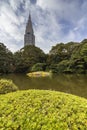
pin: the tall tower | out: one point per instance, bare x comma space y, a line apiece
29, 38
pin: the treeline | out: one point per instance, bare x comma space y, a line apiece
62, 58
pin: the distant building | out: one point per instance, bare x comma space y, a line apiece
29, 38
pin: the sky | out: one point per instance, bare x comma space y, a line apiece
54, 21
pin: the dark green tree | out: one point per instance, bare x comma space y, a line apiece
6, 59
27, 57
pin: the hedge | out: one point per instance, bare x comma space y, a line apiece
42, 110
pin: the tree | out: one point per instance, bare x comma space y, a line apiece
61, 52
69, 58
6, 59
27, 57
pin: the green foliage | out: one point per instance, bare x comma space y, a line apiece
42, 110
7, 86
54, 59
63, 51
20, 65
6, 59
62, 67
39, 67
53, 68
62, 58
33, 54
27, 57
69, 58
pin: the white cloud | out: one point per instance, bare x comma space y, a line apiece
53, 21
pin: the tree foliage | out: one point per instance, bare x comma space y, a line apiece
39, 67
27, 57
62, 58
69, 58
6, 59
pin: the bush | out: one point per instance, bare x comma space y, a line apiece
39, 67
7, 86
60, 67
53, 68
42, 110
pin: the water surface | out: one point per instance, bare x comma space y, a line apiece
73, 84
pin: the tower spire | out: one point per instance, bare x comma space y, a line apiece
29, 28
29, 38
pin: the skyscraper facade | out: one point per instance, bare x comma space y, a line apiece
29, 37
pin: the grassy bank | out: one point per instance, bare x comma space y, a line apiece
42, 110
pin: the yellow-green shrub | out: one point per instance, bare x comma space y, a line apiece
7, 86
42, 110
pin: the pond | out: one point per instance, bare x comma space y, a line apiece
73, 84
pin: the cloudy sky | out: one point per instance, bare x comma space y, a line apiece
54, 21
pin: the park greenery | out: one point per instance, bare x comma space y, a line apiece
62, 58
7, 86
42, 110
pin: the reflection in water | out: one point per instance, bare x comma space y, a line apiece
74, 84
